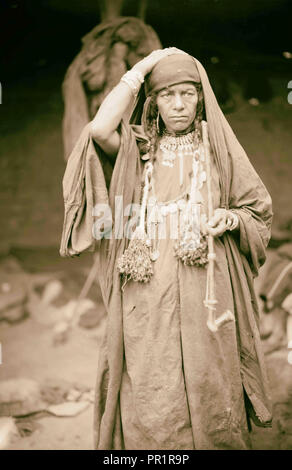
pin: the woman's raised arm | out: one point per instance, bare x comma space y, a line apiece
105, 123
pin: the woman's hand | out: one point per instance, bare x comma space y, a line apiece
146, 65
221, 221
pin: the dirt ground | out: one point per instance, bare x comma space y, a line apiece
28, 351
75, 362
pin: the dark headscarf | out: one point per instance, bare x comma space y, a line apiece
171, 70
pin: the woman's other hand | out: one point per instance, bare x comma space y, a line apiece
146, 65
221, 221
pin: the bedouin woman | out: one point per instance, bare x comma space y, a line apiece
169, 378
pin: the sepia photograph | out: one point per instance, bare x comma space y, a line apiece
146, 227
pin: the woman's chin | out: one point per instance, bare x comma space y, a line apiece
179, 126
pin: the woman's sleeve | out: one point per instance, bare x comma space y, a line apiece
251, 202
84, 186
90, 185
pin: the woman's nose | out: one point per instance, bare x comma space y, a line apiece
178, 102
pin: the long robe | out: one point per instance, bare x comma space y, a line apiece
181, 386
240, 189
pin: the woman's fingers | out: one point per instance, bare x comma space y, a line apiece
146, 65
219, 215
218, 224
218, 231
159, 54
175, 50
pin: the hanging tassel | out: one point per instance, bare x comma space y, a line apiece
192, 254
192, 247
136, 262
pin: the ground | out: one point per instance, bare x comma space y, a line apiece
75, 362
28, 351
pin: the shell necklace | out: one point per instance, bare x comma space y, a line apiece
180, 145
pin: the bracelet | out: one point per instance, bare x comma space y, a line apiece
138, 74
134, 79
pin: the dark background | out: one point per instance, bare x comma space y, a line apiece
38, 31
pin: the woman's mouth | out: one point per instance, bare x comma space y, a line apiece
179, 118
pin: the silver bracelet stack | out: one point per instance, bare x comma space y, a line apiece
134, 79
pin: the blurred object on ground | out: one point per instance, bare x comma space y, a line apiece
16, 289
83, 311
273, 330
20, 396
26, 426
24, 397
13, 290
56, 300
23, 402
68, 408
108, 51
280, 377
281, 233
276, 294
8, 432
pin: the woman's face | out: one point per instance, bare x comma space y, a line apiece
177, 106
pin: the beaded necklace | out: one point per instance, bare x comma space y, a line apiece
191, 247
180, 145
